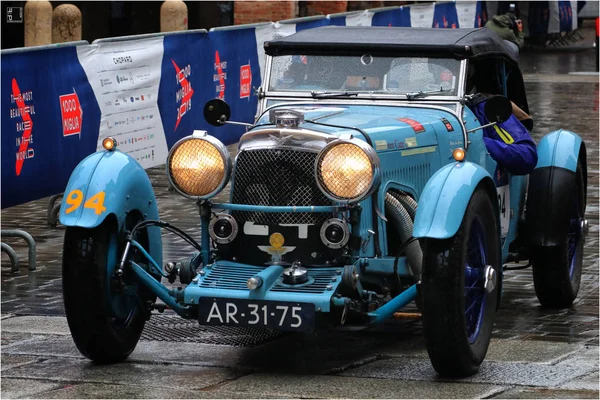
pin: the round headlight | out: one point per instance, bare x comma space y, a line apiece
198, 166
347, 170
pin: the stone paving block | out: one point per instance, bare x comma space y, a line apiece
54, 346
8, 361
25, 388
538, 393
147, 375
104, 391
37, 324
313, 386
587, 382
8, 339
529, 351
500, 373
500, 350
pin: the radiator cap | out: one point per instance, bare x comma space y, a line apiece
295, 274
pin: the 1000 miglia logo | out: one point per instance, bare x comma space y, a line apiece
183, 96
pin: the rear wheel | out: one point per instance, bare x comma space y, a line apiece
557, 269
461, 279
105, 315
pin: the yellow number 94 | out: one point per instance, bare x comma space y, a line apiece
75, 198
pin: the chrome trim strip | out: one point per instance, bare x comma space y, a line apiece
277, 209
297, 102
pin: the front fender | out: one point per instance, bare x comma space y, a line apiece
551, 187
126, 188
559, 149
445, 198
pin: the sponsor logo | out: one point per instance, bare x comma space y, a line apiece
220, 75
448, 125
184, 95
122, 78
245, 81
23, 111
416, 126
122, 60
71, 114
14, 15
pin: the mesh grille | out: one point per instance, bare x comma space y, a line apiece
277, 177
174, 329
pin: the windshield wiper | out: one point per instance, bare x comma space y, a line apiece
416, 95
333, 94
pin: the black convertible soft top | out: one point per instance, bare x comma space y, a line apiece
459, 43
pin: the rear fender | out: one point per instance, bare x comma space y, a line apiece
445, 198
126, 188
551, 186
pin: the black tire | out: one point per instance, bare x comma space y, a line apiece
457, 343
100, 333
557, 269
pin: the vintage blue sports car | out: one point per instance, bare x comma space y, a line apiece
364, 184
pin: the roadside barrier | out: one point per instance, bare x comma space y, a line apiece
147, 91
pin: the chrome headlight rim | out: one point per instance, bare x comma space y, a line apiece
375, 168
221, 148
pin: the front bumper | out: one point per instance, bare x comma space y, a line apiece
226, 279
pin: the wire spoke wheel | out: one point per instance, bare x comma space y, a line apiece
460, 286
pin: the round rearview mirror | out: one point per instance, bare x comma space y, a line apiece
497, 109
217, 112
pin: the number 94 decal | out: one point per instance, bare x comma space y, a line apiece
75, 198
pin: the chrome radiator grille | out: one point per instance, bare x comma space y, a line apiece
277, 177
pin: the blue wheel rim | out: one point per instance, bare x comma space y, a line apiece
474, 291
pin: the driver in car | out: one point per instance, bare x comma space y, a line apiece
509, 142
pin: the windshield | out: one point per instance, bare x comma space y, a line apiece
324, 75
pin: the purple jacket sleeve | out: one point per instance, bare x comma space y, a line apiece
509, 144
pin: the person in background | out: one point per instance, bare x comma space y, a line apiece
508, 27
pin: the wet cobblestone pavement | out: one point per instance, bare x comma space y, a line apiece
535, 353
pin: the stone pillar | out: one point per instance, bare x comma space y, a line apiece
173, 16
38, 23
249, 12
66, 24
326, 7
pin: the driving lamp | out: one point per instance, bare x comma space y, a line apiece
198, 166
459, 154
109, 143
347, 170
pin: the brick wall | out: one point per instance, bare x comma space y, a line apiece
248, 12
364, 5
325, 7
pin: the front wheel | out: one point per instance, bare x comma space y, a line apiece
105, 315
557, 269
461, 279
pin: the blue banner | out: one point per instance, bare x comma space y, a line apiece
397, 17
445, 16
233, 71
182, 91
50, 121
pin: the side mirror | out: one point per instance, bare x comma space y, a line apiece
217, 112
497, 109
